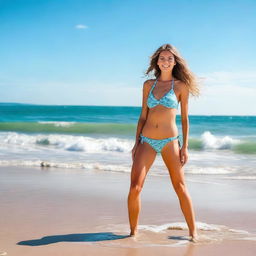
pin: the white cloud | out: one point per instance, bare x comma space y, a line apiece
241, 78
226, 93
81, 26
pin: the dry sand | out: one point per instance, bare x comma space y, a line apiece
73, 212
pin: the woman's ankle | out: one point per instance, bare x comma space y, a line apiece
193, 234
133, 232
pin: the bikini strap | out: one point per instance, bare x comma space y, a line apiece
172, 83
153, 85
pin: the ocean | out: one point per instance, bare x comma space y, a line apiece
101, 138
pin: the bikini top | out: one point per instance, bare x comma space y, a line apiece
169, 100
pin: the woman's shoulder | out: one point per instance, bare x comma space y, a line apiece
179, 83
149, 83
181, 86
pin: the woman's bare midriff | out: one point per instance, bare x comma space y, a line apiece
160, 123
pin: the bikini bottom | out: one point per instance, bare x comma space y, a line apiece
157, 144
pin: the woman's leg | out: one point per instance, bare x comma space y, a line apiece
170, 155
144, 158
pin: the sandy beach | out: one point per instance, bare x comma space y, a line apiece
53, 211
80, 81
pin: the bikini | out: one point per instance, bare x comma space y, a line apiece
169, 100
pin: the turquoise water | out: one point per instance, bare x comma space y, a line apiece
119, 121
95, 135
106, 119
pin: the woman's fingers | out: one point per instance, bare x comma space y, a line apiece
183, 157
133, 154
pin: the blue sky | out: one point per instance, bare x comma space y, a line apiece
96, 52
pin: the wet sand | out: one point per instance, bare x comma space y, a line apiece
50, 211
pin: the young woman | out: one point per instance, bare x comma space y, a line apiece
157, 131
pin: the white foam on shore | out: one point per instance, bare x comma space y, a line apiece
239, 231
174, 235
119, 169
248, 238
240, 177
208, 170
205, 182
177, 244
103, 167
180, 226
74, 165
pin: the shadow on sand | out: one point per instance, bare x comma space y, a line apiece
178, 238
86, 237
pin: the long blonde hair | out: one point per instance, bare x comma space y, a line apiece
180, 70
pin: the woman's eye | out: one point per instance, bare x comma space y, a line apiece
162, 59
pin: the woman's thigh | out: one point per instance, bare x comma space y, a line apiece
143, 160
171, 157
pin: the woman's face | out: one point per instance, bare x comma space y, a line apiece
166, 61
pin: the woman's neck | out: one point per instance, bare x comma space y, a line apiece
165, 77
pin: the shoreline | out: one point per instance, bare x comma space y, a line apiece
79, 206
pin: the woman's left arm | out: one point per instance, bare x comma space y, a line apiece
185, 123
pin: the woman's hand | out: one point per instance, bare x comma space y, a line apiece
183, 155
134, 151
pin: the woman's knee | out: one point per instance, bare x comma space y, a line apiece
135, 188
180, 188
138, 172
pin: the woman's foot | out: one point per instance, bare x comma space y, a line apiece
133, 233
194, 237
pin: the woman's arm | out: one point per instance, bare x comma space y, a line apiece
185, 122
184, 113
144, 110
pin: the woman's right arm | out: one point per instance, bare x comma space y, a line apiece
144, 111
